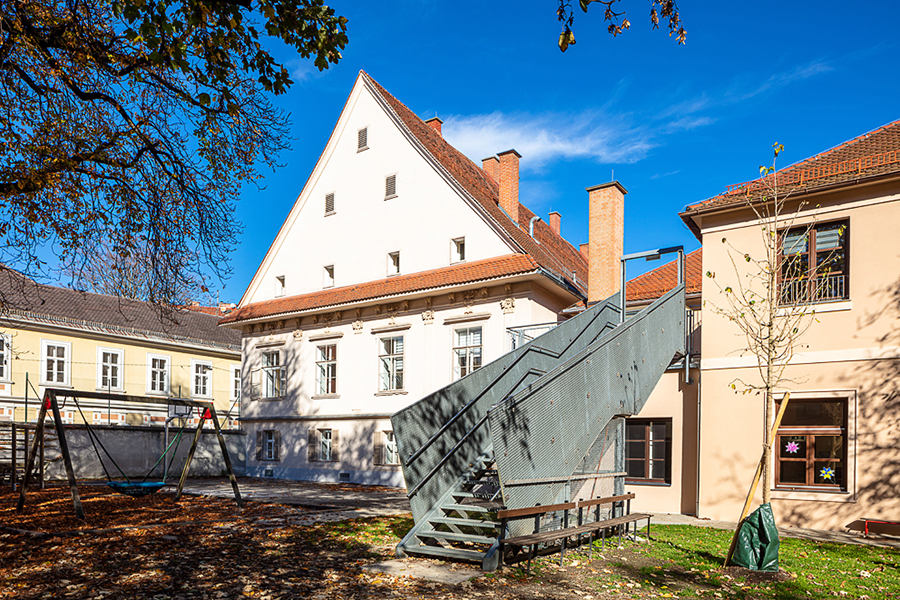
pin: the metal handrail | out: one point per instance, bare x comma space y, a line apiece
539, 349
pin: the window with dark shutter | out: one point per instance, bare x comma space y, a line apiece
378, 450
390, 186
362, 139
329, 203
259, 445
312, 445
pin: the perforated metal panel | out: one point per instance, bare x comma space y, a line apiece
441, 436
545, 430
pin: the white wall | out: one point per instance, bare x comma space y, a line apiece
419, 222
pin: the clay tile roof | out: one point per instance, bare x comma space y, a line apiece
550, 251
655, 283
871, 155
24, 298
470, 272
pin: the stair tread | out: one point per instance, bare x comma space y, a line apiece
468, 507
457, 537
441, 552
464, 522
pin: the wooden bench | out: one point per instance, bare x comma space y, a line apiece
532, 540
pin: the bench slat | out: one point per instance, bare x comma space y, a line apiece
558, 534
528, 511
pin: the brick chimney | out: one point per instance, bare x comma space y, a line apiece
491, 166
555, 221
509, 183
585, 250
606, 232
435, 124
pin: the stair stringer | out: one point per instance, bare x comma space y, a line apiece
439, 437
545, 430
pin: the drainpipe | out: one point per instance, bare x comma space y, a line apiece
531, 225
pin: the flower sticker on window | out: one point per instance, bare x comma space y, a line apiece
827, 473
792, 447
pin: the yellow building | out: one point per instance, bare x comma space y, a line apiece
57, 337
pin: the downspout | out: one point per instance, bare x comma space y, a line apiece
531, 225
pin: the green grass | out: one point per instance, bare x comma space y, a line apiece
819, 570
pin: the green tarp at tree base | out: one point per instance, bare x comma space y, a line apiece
757, 542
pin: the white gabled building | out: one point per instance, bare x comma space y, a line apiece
400, 268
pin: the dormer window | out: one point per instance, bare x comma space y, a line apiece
328, 277
279, 286
390, 187
329, 204
362, 139
393, 263
458, 250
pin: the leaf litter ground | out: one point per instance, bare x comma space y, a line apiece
203, 548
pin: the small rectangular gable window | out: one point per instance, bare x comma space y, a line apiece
328, 277
329, 203
279, 286
393, 263
362, 139
390, 186
458, 249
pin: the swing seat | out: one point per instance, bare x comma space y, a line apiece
137, 488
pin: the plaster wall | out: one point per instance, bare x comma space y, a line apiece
672, 399
83, 354
419, 222
850, 351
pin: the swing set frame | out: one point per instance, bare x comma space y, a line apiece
50, 403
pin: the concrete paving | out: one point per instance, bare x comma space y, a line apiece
841, 537
326, 502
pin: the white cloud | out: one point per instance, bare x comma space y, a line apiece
546, 137
302, 70
602, 134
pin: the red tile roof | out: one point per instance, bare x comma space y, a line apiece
655, 283
871, 155
470, 272
549, 250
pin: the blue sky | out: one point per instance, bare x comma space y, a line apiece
677, 124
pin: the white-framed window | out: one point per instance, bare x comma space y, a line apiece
56, 361
385, 448
322, 445
329, 203
362, 139
391, 456
390, 363
202, 378
274, 374
5, 351
268, 445
458, 250
110, 362
466, 351
235, 382
158, 369
326, 369
390, 186
393, 263
279, 286
328, 276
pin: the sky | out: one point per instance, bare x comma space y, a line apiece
673, 124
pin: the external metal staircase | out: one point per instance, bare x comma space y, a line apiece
523, 429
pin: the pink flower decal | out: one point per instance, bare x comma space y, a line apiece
792, 447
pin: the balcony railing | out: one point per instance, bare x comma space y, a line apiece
828, 288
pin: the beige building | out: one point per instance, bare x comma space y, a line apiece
58, 337
837, 456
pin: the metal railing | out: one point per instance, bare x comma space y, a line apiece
828, 288
519, 336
